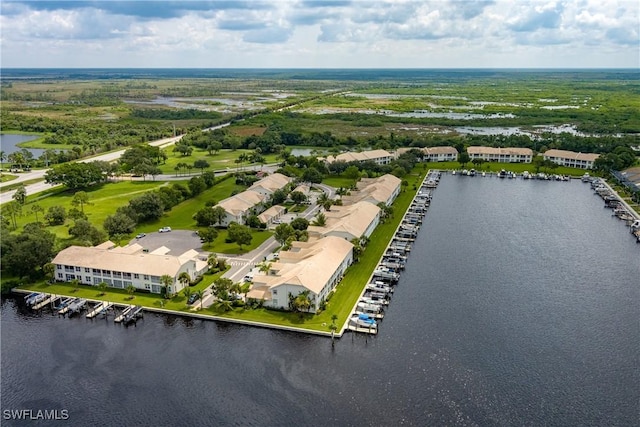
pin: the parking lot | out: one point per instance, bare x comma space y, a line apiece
178, 241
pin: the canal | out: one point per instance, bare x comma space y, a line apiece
518, 306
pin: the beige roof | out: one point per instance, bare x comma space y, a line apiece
498, 151
359, 157
272, 212
129, 249
272, 182
440, 150
304, 189
564, 154
114, 260
352, 219
106, 245
162, 250
379, 189
309, 265
241, 202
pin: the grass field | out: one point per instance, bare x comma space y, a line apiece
5, 177
222, 160
512, 167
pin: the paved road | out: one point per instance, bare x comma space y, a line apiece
107, 157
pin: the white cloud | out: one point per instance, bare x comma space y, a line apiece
292, 33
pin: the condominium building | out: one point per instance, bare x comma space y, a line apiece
502, 155
571, 158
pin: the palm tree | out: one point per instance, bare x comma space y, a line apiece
49, 270
166, 281
321, 220
224, 304
212, 260
102, 286
75, 283
200, 293
35, 208
184, 279
130, 290
264, 267
334, 317
245, 288
303, 301
333, 329
187, 292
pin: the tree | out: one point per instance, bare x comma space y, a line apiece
205, 217
84, 231
321, 220
300, 224
463, 158
102, 286
49, 270
75, 283
212, 261
352, 172
55, 215
303, 301
208, 234
264, 267
80, 198
197, 185
241, 234
187, 292
219, 213
200, 293
166, 282
130, 290
26, 254
12, 210
35, 208
214, 147
312, 175
283, 232
75, 175
147, 207
298, 197
244, 289
278, 197
201, 164
20, 196
184, 279
119, 223
325, 201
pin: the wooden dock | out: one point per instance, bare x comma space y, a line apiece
64, 310
356, 328
99, 308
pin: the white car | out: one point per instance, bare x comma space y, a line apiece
164, 230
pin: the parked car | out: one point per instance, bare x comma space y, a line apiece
192, 298
164, 230
140, 236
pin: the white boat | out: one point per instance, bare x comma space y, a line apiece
364, 321
586, 177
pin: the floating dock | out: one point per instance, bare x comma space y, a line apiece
132, 315
65, 309
77, 306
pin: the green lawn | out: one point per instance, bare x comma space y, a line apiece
513, 167
338, 181
4, 177
222, 160
220, 246
104, 199
177, 303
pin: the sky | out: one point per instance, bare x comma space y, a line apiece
321, 34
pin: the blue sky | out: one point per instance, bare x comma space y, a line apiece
321, 33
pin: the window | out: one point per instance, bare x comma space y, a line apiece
274, 292
59, 275
146, 277
87, 270
117, 283
126, 276
87, 279
77, 268
96, 271
58, 266
136, 276
147, 286
106, 272
117, 274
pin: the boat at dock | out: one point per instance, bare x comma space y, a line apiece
364, 321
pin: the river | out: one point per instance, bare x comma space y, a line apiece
519, 306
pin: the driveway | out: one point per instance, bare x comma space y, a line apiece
178, 241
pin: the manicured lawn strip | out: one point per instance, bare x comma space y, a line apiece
220, 246
5, 177
513, 167
338, 181
177, 303
348, 291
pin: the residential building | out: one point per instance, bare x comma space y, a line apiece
238, 207
348, 222
502, 155
269, 184
571, 158
316, 266
272, 215
383, 189
440, 154
381, 157
120, 267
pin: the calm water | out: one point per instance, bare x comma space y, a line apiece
519, 306
9, 143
